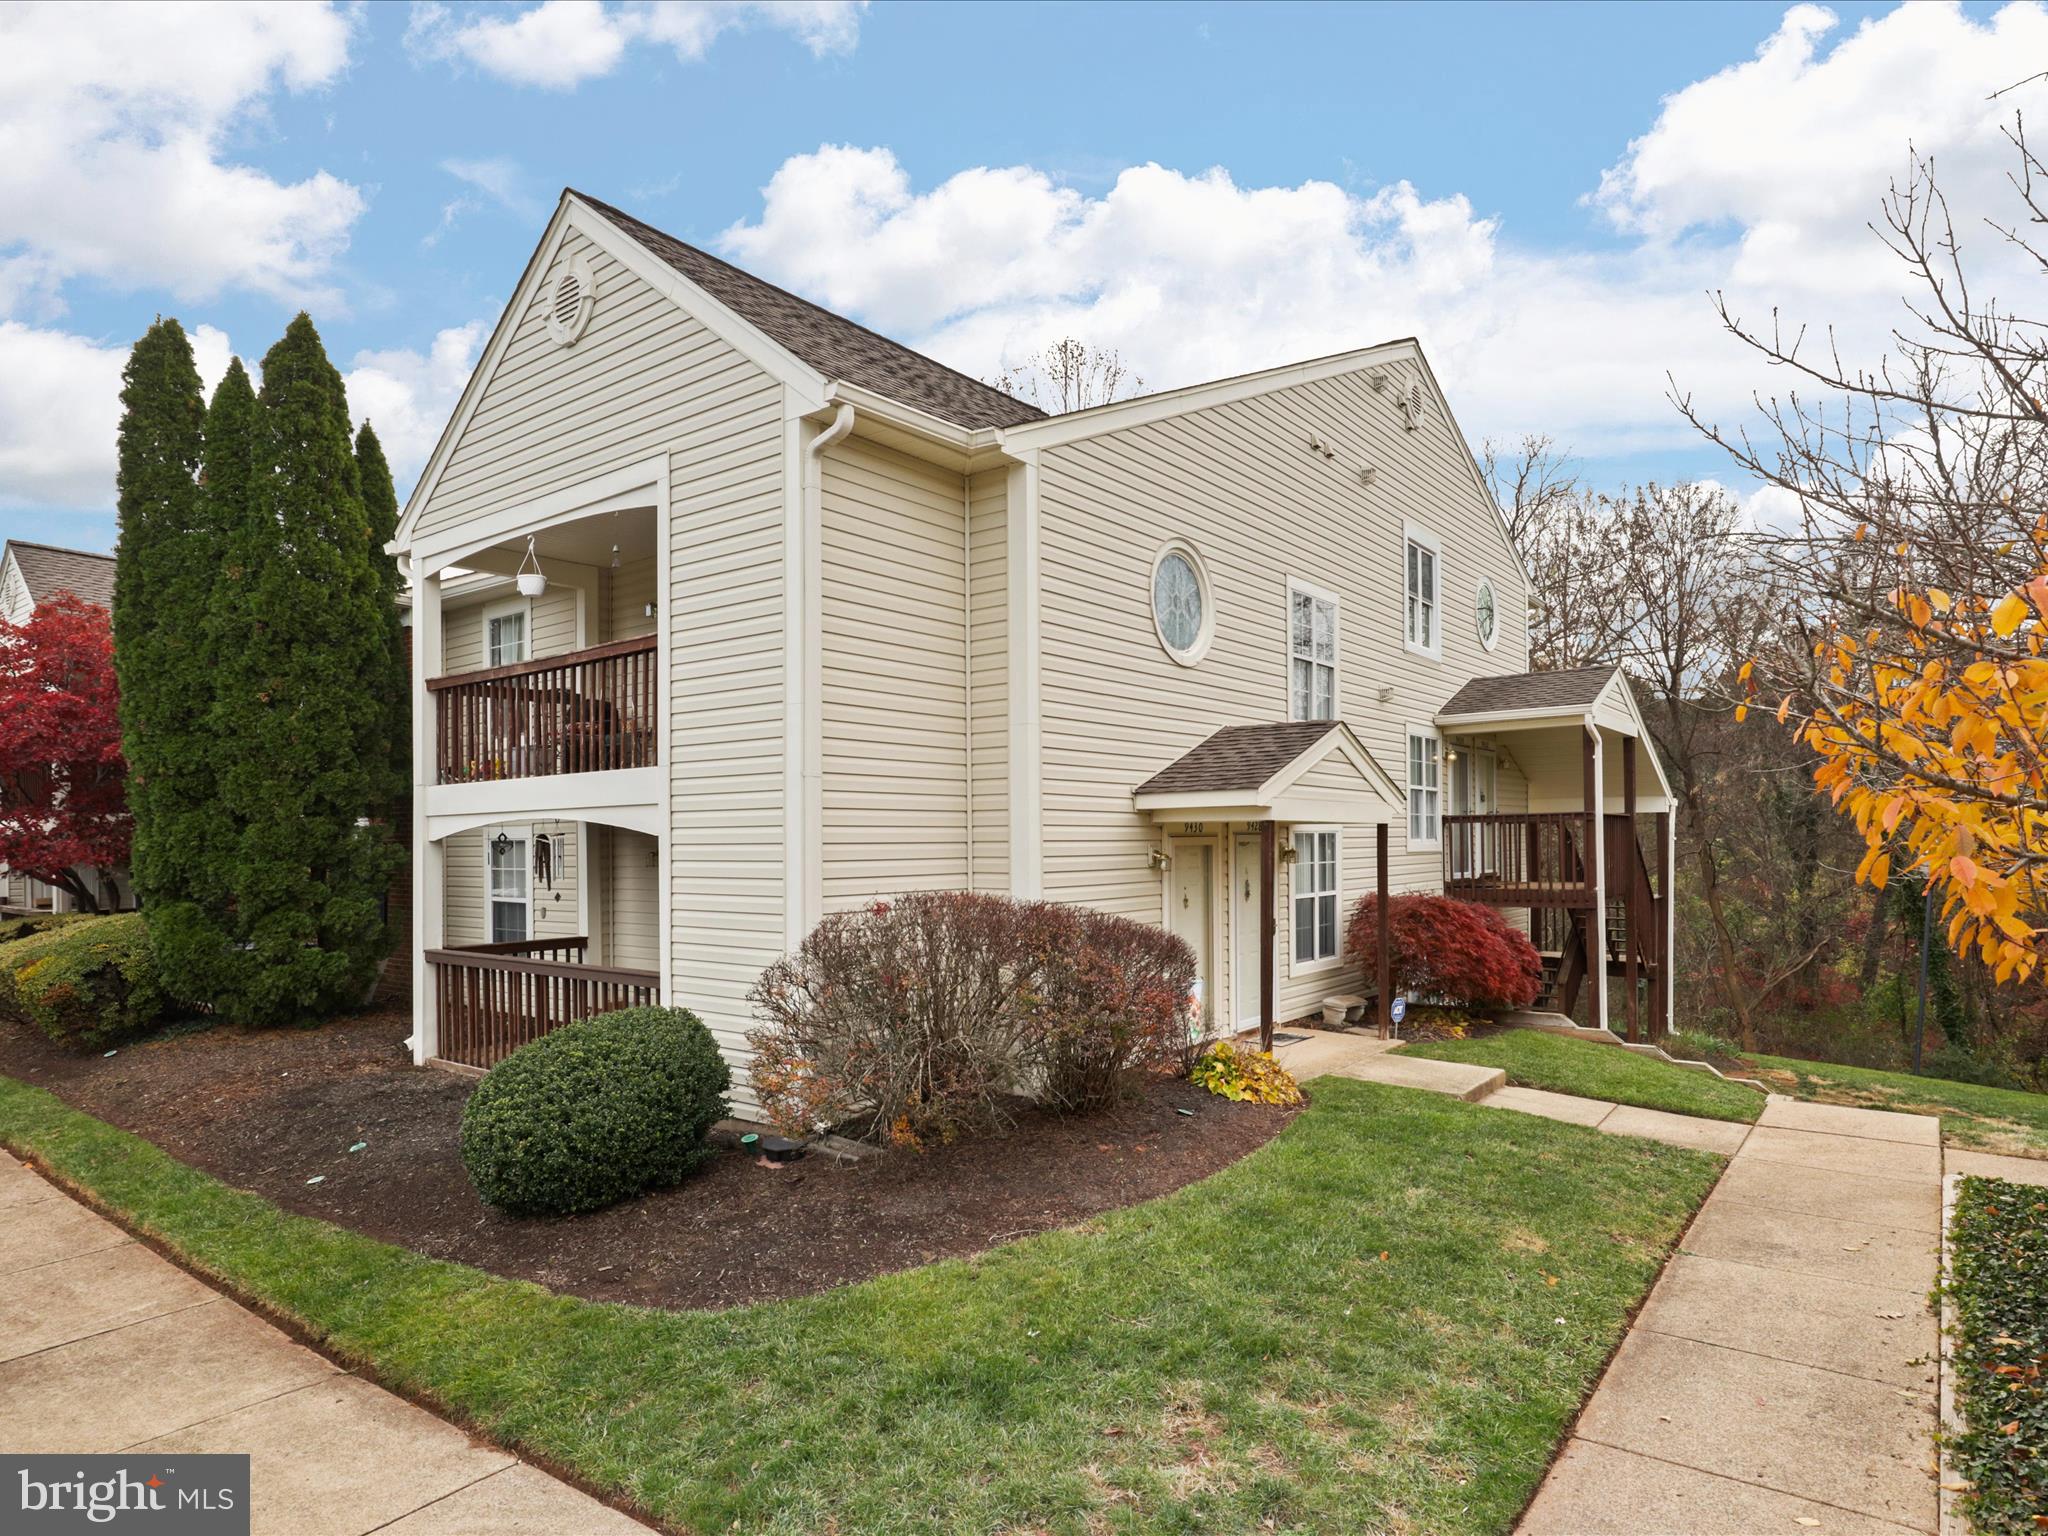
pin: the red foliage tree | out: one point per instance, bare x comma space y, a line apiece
1458, 951
63, 802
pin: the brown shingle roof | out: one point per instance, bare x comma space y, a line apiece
48, 570
834, 345
1575, 689
1237, 758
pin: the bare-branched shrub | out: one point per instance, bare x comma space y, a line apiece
920, 1019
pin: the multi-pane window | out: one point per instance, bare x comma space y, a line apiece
1312, 652
505, 638
511, 903
1421, 605
1315, 896
1425, 788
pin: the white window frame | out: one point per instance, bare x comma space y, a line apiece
1204, 635
1492, 641
1296, 964
1299, 588
523, 836
1434, 737
1415, 535
504, 608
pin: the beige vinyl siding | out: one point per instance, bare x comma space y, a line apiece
893, 622
989, 654
725, 706
1240, 483
646, 380
631, 913
627, 594
555, 912
550, 626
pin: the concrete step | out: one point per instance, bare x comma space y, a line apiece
1458, 1079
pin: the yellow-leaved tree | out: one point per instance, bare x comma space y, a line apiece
1931, 734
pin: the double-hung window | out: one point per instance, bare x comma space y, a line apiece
1425, 788
1311, 653
511, 893
1315, 897
1422, 559
505, 633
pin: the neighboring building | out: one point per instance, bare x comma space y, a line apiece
31, 574
823, 621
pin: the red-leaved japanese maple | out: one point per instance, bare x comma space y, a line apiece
1455, 950
63, 801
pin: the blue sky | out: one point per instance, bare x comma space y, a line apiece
970, 179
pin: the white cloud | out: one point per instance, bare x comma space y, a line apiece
1759, 180
499, 181
559, 44
409, 396
113, 122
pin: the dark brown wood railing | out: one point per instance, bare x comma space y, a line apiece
1532, 859
580, 712
494, 998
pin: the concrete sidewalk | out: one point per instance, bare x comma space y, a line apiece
1782, 1375
104, 1346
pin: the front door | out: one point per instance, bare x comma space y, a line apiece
1473, 776
1189, 901
1245, 931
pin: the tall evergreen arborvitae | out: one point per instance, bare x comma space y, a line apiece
163, 566
391, 681
191, 928
302, 642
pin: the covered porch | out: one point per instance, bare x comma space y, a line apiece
542, 923
540, 767
1589, 861
1261, 817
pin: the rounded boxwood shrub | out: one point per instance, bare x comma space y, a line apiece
84, 983
595, 1111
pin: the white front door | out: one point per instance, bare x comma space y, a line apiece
1190, 912
1473, 778
1245, 931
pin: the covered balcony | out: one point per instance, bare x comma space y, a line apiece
585, 711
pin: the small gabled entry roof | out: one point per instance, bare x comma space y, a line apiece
1529, 693
1295, 770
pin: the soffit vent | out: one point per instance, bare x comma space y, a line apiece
570, 299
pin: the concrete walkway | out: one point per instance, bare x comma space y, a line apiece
1782, 1375
104, 1347
1317, 1053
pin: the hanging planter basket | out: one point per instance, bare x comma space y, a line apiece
531, 582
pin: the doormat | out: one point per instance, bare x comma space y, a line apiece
1289, 1039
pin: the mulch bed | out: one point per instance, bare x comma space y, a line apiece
267, 1110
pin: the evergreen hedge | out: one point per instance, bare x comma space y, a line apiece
595, 1112
163, 576
262, 676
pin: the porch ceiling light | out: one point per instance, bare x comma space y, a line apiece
531, 582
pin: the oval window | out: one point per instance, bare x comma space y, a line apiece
1179, 603
1484, 613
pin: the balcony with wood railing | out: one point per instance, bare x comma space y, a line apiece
585, 711
493, 998
1532, 859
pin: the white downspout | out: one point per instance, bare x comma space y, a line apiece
803, 861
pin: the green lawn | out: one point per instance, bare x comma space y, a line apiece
1532, 1059
1383, 1320
1994, 1119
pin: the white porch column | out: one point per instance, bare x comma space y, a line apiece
429, 864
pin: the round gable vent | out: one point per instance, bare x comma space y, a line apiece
570, 298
